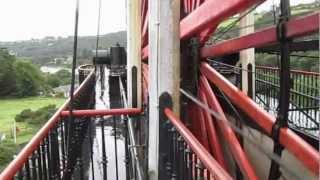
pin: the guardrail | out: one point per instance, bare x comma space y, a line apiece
187, 157
48, 155
304, 107
304, 96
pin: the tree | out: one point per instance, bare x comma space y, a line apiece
64, 76
7, 75
28, 78
53, 80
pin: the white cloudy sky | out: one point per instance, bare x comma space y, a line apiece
26, 19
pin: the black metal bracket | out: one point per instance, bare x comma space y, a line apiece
195, 56
250, 80
165, 101
190, 59
134, 82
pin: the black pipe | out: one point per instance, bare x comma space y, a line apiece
104, 157
115, 145
282, 116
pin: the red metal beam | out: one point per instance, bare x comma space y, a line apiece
211, 12
209, 162
295, 28
292, 142
101, 112
212, 134
145, 91
17, 163
228, 134
145, 53
192, 120
202, 122
145, 30
184, 6
205, 35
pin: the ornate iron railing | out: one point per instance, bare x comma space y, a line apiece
304, 96
54, 153
186, 158
304, 109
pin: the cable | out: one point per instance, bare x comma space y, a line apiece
247, 26
230, 26
98, 28
74, 63
217, 116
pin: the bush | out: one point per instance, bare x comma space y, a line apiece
53, 80
59, 95
43, 114
25, 114
7, 150
37, 117
64, 76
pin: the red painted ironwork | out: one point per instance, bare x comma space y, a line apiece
145, 81
17, 163
203, 128
101, 112
205, 35
295, 28
292, 142
208, 15
228, 134
209, 162
214, 144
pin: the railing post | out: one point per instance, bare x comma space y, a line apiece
250, 81
164, 71
165, 101
134, 52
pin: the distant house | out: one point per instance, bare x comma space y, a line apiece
101, 52
59, 61
2, 136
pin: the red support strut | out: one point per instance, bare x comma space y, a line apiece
291, 141
228, 134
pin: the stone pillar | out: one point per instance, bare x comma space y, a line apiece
247, 56
164, 69
134, 53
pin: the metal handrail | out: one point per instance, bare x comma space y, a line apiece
102, 112
17, 163
208, 161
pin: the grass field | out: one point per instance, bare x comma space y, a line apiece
10, 107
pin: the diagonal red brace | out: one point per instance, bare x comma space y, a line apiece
102, 112
308, 155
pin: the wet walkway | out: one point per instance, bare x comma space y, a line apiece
103, 102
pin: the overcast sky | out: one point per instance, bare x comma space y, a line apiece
26, 19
